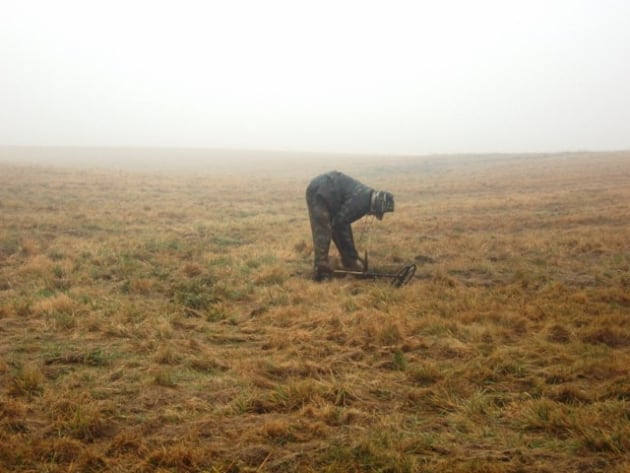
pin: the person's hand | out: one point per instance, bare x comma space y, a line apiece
355, 265
364, 264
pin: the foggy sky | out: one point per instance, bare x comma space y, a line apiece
390, 76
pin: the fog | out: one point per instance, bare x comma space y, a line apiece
345, 76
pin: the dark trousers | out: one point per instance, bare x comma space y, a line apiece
323, 232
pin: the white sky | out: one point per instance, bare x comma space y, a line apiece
387, 76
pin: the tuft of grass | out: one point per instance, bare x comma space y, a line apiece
195, 294
27, 380
165, 377
208, 364
399, 361
57, 304
80, 417
9, 246
167, 355
424, 373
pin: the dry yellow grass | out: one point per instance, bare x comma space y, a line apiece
166, 321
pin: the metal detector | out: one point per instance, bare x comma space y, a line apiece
399, 279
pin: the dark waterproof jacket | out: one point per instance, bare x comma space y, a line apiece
346, 198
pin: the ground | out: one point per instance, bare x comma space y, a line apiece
165, 320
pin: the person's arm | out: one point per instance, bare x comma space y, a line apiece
352, 210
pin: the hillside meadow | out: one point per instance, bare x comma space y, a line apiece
162, 318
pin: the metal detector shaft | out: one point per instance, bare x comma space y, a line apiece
399, 279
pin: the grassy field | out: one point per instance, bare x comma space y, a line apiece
165, 320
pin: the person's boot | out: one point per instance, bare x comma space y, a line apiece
323, 271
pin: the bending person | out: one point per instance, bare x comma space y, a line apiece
334, 201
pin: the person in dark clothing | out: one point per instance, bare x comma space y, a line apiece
334, 201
